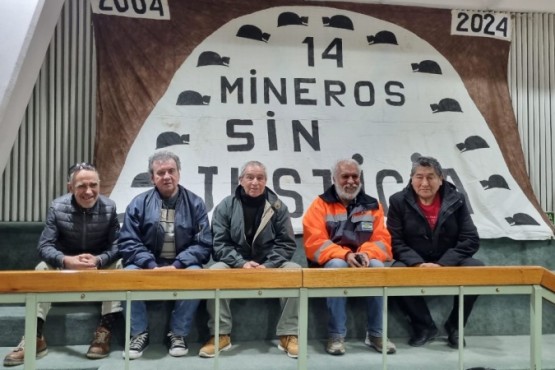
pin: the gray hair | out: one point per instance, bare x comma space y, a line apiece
163, 156
339, 163
253, 164
77, 167
426, 162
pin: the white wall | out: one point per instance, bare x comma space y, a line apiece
26, 28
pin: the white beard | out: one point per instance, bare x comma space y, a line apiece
347, 195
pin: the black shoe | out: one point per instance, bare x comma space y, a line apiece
453, 337
137, 345
178, 345
423, 336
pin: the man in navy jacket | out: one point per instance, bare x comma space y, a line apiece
165, 228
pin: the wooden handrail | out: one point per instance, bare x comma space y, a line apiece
548, 280
141, 280
406, 277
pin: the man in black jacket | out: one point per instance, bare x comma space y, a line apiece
80, 233
430, 227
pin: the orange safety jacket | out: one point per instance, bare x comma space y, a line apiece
331, 230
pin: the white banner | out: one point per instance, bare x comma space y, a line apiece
297, 93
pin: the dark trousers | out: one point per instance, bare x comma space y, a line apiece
416, 309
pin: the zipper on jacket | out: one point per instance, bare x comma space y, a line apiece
84, 233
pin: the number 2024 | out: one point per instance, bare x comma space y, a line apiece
485, 23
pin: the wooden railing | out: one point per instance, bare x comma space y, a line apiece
31, 287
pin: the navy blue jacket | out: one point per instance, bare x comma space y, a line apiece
142, 235
453, 239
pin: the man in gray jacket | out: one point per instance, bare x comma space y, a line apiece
252, 230
81, 233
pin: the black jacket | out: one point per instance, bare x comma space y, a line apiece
454, 238
71, 230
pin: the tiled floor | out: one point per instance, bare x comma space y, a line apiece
500, 352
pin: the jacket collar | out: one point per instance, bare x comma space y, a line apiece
362, 199
271, 197
78, 208
446, 191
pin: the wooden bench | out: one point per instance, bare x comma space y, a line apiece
30, 287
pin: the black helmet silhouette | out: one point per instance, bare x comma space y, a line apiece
291, 19
211, 58
170, 138
338, 21
521, 219
382, 37
190, 97
426, 66
249, 31
446, 105
142, 180
495, 182
472, 143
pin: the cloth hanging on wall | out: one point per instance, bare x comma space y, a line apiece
298, 85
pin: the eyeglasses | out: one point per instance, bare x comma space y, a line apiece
78, 167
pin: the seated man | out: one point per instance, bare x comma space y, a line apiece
431, 227
80, 233
344, 227
165, 228
252, 230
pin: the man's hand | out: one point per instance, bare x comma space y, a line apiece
83, 261
253, 265
429, 264
357, 259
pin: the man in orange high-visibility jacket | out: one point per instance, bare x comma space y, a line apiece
344, 227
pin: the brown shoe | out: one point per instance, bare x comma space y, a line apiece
209, 348
377, 343
17, 355
290, 345
100, 345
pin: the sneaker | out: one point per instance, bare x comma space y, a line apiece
178, 346
336, 346
137, 346
100, 345
290, 345
17, 355
209, 348
377, 343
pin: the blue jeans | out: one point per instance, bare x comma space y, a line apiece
337, 316
183, 312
